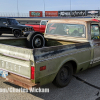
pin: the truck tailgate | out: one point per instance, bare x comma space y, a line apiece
16, 60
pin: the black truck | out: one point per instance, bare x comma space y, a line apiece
11, 26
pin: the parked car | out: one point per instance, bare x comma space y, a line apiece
39, 28
71, 46
11, 26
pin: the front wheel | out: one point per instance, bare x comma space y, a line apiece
64, 75
17, 33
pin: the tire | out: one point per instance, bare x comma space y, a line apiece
35, 40
17, 33
64, 75
25, 35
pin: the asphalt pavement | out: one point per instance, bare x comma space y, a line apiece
86, 86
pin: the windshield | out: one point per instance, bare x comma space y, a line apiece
73, 30
12, 22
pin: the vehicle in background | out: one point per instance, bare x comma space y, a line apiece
39, 28
11, 26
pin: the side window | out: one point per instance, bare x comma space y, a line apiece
95, 32
9, 22
2, 20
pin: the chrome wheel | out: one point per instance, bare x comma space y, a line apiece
38, 42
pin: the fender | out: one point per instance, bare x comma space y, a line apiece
65, 61
68, 60
16, 29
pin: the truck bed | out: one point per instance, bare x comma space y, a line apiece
9, 39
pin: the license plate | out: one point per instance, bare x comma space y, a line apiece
3, 73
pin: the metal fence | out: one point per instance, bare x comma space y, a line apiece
6, 14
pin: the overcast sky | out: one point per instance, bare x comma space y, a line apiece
24, 6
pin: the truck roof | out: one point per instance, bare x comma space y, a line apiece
7, 17
74, 20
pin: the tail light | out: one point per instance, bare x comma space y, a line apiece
32, 72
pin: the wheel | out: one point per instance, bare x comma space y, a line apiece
35, 40
0, 34
17, 33
64, 75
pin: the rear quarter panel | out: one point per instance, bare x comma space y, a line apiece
54, 57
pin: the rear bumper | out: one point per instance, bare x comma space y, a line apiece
20, 81
27, 33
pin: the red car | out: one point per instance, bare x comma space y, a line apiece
39, 28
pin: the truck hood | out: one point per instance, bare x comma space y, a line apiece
22, 25
32, 25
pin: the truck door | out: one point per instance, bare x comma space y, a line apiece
4, 26
42, 28
43, 25
95, 36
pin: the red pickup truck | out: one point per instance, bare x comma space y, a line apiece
39, 28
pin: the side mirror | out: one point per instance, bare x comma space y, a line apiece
5, 23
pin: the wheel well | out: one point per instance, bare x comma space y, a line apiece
74, 65
16, 29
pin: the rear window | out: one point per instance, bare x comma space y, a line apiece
73, 30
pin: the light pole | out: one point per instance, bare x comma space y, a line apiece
44, 7
70, 7
17, 8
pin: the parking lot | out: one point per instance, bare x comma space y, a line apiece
76, 90
41, 44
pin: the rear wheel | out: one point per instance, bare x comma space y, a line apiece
17, 33
64, 75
